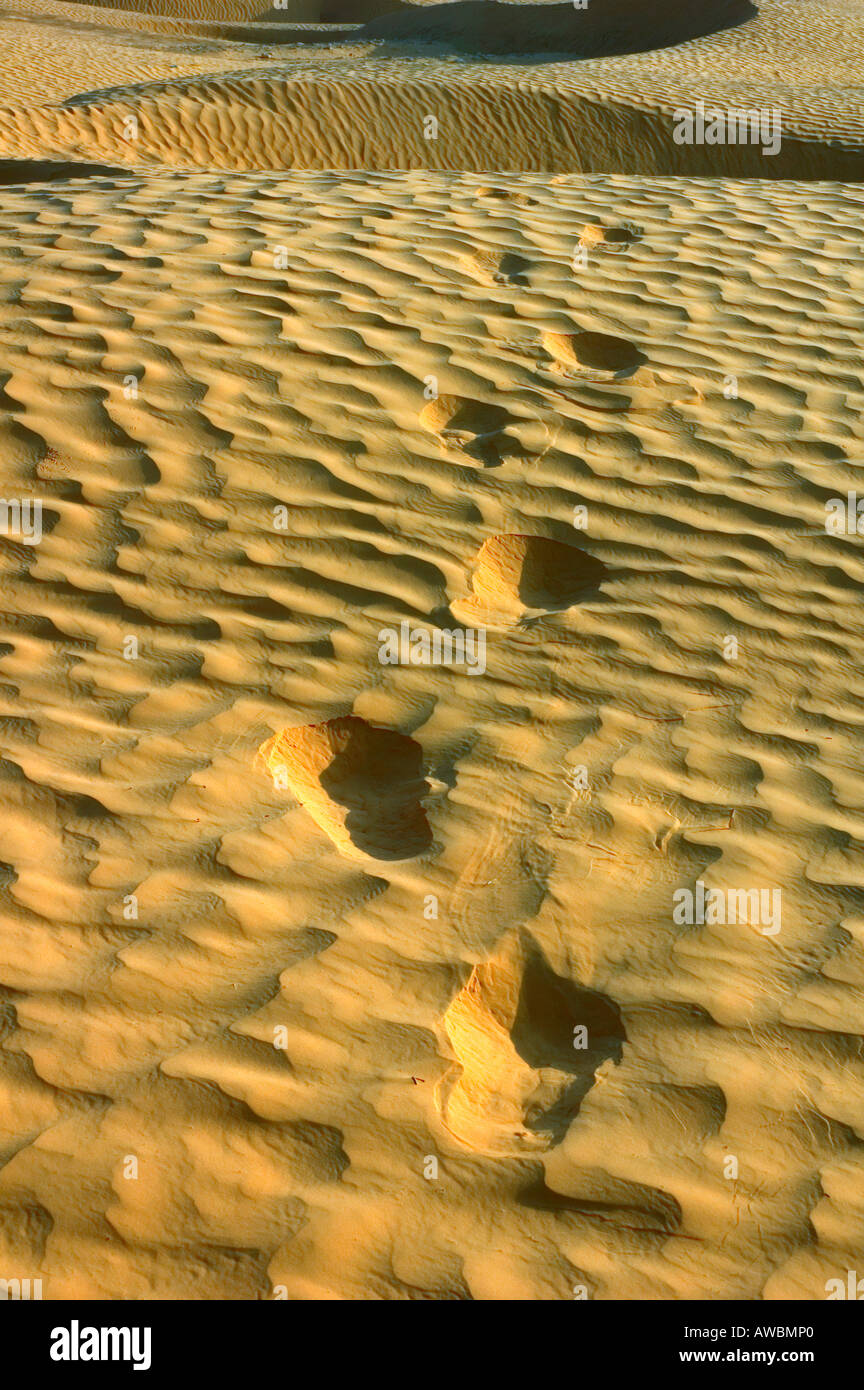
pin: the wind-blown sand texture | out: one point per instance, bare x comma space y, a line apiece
282, 923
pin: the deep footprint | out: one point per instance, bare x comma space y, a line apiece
592, 352
362, 785
607, 238
517, 573
527, 1045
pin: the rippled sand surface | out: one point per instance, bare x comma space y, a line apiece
324, 976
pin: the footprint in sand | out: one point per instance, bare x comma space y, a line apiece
527, 1045
613, 239
501, 877
515, 575
575, 354
494, 267
473, 427
506, 195
362, 785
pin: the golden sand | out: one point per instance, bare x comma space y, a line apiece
282, 922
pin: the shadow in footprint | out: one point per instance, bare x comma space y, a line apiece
378, 777
526, 1044
554, 575
475, 428
564, 1026
575, 353
456, 415
512, 269
616, 239
516, 576
361, 784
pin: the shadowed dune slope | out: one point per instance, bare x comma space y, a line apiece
15, 171
604, 27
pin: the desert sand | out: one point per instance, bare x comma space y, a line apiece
329, 977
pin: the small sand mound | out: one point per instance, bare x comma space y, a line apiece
592, 352
527, 1045
362, 785
606, 238
515, 573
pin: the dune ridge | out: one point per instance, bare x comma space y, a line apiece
359, 100
241, 121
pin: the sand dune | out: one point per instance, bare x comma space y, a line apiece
363, 98
325, 976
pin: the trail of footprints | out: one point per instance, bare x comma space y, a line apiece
514, 1081
517, 1080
